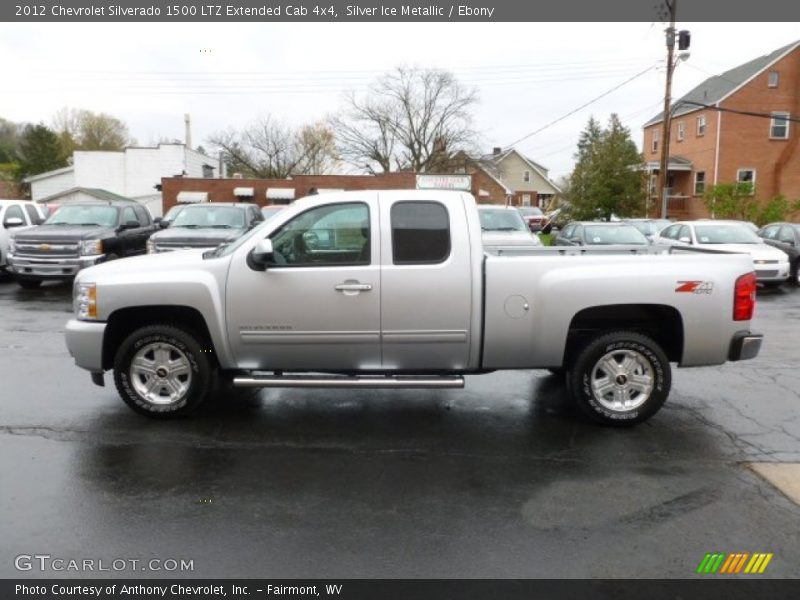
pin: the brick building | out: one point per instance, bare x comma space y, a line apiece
710, 146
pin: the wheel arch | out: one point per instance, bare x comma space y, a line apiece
122, 322
661, 322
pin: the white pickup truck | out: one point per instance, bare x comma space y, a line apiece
395, 289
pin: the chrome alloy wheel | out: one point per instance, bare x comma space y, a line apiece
160, 373
622, 380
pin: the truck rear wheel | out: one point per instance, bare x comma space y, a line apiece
620, 378
164, 371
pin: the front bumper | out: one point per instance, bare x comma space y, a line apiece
85, 344
772, 273
745, 345
51, 268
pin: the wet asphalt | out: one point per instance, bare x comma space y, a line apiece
500, 479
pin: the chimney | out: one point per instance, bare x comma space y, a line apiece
495, 151
188, 136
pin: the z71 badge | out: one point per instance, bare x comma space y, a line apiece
695, 287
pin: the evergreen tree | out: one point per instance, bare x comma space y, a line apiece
608, 178
39, 150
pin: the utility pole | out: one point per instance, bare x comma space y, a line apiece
663, 179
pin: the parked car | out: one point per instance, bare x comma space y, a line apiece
405, 297
504, 226
271, 210
786, 237
78, 235
534, 217
205, 225
771, 265
599, 233
16, 215
649, 227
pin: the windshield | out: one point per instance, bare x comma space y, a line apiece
270, 211
173, 212
621, 234
100, 215
729, 233
218, 217
530, 211
500, 219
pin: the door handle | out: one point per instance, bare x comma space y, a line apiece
353, 287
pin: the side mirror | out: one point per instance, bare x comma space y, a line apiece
13, 222
157, 220
163, 224
576, 240
263, 254
130, 225
685, 240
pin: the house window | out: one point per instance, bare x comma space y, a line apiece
681, 131
699, 183
526, 176
779, 126
772, 79
701, 125
747, 176
654, 144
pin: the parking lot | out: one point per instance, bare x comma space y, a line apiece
497, 480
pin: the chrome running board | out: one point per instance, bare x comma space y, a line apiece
399, 382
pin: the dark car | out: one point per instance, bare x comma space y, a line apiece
534, 217
785, 236
205, 225
591, 233
78, 235
649, 227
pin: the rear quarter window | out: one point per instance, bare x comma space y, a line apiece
420, 233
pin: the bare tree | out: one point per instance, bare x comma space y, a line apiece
81, 129
273, 149
411, 118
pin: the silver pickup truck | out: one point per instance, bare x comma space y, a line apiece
395, 290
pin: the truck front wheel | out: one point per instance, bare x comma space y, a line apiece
620, 378
164, 371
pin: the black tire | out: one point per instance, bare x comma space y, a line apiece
794, 277
648, 360
181, 345
29, 284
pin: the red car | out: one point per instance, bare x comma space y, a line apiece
534, 217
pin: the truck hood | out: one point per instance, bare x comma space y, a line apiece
189, 236
63, 233
146, 264
509, 238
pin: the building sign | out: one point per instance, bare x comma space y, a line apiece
444, 182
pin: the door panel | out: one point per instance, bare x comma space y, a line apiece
426, 302
319, 307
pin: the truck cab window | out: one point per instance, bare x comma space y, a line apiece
330, 235
420, 233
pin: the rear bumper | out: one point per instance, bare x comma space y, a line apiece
745, 345
85, 344
50, 268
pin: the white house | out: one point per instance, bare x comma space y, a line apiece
133, 173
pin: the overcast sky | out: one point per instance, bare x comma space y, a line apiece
527, 74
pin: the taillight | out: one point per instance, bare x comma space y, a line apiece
744, 297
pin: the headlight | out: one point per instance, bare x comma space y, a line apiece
151, 247
84, 301
91, 247
12, 246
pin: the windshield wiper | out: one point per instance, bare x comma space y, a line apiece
223, 227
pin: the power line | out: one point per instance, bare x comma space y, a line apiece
581, 107
747, 113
